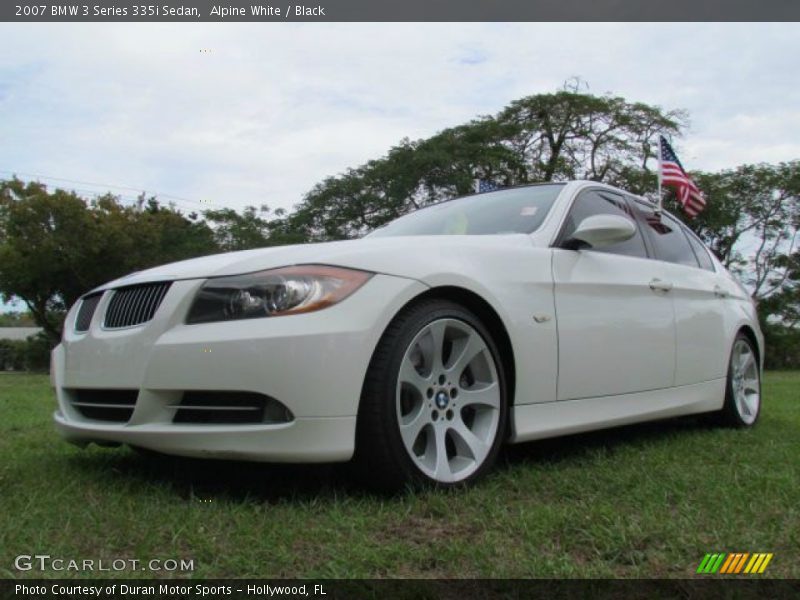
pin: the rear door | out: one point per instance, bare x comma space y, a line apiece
698, 297
616, 331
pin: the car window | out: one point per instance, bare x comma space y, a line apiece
669, 241
700, 251
513, 210
596, 202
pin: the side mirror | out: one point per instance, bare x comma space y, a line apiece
598, 231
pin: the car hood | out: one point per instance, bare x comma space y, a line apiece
410, 257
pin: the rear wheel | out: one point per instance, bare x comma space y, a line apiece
743, 390
433, 409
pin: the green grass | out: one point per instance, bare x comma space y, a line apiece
643, 501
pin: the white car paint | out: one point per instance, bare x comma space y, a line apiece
615, 334
594, 343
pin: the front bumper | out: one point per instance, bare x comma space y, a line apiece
303, 440
314, 364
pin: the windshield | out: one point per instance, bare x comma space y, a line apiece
513, 210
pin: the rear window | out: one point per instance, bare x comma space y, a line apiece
700, 251
669, 241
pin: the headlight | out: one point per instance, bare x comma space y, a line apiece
273, 293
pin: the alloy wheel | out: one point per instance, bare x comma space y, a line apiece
448, 400
745, 383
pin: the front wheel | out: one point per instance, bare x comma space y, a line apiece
434, 405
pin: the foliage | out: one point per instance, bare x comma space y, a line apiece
54, 246
12, 355
250, 229
783, 346
569, 135
751, 222
546, 137
32, 354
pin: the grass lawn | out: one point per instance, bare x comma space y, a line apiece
643, 501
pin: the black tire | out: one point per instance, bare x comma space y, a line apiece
733, 413
382, 459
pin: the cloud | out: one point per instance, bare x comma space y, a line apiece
473, 56
274, 108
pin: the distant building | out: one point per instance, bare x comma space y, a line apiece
18, 333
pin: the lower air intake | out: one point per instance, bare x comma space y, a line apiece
230, 408
104, 405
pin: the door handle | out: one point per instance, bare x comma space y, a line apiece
657, 285
720, 293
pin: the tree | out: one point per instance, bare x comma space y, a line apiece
250, 229
751, 222
546, 137
54, 246
569, 135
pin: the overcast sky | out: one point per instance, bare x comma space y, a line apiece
267, 110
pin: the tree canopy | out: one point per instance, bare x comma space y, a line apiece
546, 137
55, 246
751, 223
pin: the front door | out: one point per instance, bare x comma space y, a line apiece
616, 329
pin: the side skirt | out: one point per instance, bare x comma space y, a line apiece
552, 419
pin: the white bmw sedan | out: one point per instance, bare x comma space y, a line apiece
419, 350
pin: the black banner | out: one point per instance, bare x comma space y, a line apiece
401, 10
465, 589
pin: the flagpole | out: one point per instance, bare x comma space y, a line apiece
660, 171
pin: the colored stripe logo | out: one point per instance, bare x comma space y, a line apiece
734, 563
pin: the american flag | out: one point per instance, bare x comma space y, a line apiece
484, 185
672, 175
